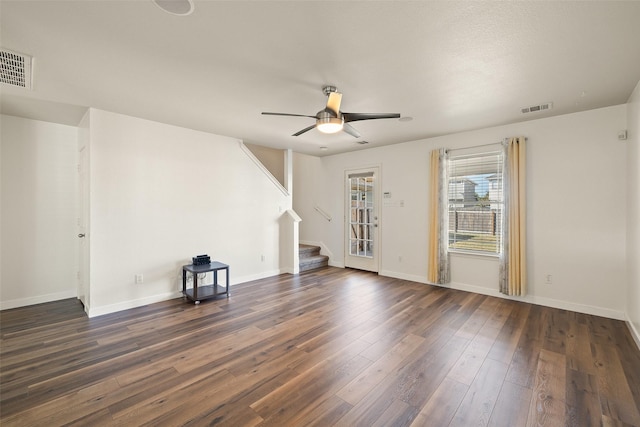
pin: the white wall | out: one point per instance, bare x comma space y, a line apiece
576, 209
272, 159
308, 192
633, 213
39, 260
84, 220
161, 194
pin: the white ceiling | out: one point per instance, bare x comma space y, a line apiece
451, 66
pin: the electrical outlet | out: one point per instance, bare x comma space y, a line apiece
262, 258
139, 278
548, 280
399, 258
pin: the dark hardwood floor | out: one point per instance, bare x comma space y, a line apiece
328, 347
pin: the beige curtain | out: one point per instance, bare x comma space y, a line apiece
513, 263
438, 263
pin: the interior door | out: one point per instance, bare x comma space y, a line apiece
362, 246
83, 219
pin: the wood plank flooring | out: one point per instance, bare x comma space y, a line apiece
327, 347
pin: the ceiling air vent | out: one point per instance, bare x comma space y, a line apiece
15, 69
362, 142
536, 108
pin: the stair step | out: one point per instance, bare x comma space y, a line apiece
305, 251
310, 258
313, 262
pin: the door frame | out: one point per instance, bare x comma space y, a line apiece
83, 227
363, 263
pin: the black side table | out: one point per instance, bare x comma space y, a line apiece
200, 293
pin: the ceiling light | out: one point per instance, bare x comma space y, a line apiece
175, 7
330, 124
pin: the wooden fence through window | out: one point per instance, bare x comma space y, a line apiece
474, 221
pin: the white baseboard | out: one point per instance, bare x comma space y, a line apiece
635, 334
310, 242
336, 264
402, 276
547, 302
23, 302
532, 299
262, 275
125, 305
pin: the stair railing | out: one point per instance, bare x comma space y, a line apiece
323, 213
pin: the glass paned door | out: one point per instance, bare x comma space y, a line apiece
361, 216
362, 220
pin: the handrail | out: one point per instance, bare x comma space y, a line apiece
323, 213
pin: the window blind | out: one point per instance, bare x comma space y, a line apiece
476, 202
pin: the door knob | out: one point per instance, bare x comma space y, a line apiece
81, 235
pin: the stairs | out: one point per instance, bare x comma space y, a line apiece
310, 258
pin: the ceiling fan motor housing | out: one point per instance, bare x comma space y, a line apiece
329, 89
327, 122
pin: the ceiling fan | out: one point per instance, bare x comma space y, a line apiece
332, 120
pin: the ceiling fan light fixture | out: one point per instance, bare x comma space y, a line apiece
332, 120
175, 7
330, 124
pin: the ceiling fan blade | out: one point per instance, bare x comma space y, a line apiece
354, 117
350, 130
333, 103
286, 114
307, 129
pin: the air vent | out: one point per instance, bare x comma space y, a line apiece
362, 142
15, 69
536, 108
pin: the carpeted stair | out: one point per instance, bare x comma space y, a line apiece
310, 258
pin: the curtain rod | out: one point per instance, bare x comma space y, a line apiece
504, 141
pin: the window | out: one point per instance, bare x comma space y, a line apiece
475, 202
